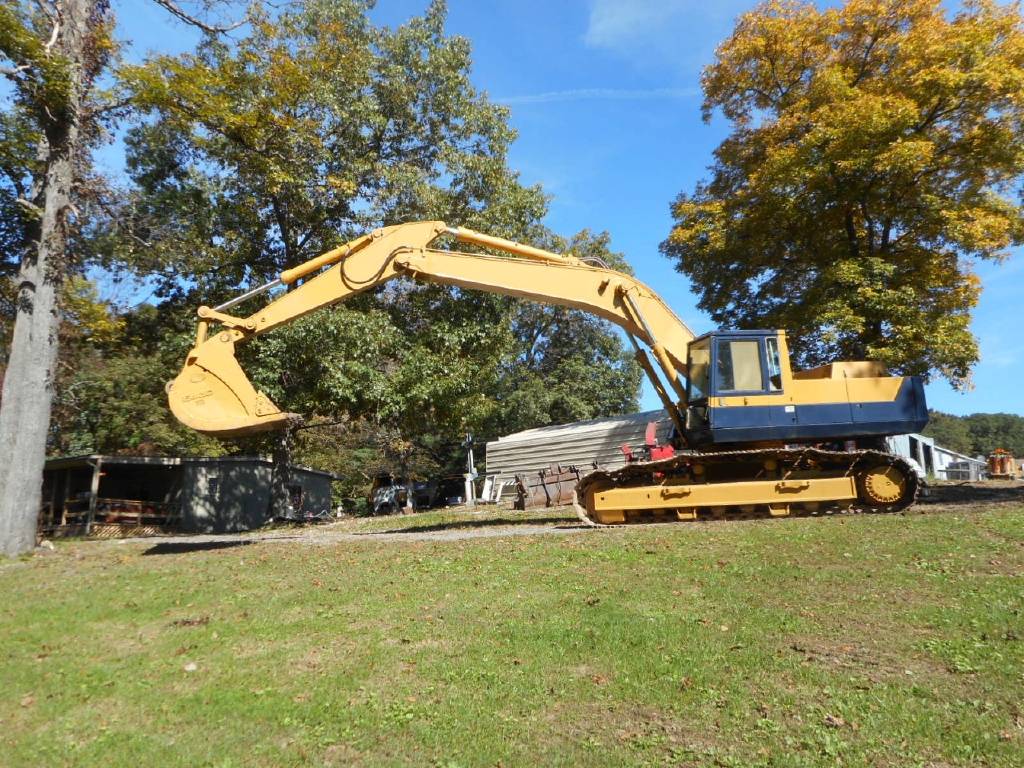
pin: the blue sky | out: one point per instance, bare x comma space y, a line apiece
605, 97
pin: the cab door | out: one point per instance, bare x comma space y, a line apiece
745, 366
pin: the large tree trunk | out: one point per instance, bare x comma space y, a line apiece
28, 381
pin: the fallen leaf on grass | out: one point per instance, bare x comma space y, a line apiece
834, 722
28, 700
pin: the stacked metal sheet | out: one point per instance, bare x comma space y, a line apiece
581, 445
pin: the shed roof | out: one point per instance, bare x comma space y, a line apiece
87, 460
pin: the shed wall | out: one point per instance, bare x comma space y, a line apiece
219, 497
234, 495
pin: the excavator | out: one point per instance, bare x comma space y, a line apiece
753, 436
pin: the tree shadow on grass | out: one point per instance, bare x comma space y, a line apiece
184, 547
559, 521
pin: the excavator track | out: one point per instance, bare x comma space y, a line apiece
884, 482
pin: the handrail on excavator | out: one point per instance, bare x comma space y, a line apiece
213, 395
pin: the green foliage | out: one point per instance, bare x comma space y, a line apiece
41, 76
979, 433
116, 404
110, 386
950, 432
316, 126
876, 149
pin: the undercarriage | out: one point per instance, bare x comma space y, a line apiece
767, 482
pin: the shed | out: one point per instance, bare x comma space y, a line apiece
937, 461
582, 444
233, 493
104, 494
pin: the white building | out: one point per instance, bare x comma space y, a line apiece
938, 462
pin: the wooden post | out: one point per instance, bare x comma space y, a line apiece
94, 493
54, 477
64, 497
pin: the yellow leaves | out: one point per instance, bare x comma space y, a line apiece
92, 318
699, 222
340, 185
986, 228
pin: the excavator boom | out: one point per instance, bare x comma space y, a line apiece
213, 395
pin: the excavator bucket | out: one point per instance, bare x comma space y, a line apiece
212, 394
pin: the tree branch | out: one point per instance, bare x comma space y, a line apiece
53, 37
14, 71
50, 12
175, 10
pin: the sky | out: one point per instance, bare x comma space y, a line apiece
605, 96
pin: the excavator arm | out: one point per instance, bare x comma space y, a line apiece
213, 395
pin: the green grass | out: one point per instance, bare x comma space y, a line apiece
868, 640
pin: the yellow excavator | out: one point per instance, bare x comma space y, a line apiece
753, 436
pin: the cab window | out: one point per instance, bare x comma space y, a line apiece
699, 367
774, 366
739, 365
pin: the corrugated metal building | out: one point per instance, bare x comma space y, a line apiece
582, 444
937, 461
159, 493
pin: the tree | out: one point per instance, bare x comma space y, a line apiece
978, 433
55, 53
950, 432
876, 149
996, 430
316, 126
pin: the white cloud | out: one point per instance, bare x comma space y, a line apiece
613, 21
613, 94
640, 28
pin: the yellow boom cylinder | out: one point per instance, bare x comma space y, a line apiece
508, 246
289, 276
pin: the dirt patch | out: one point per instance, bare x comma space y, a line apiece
639, 728
342, 755
875, 663
982, 493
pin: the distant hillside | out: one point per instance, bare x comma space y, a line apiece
979, 433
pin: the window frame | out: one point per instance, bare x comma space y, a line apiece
710, 366
762, 347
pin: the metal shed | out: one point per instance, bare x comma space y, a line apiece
233, 493
112, 495
582, 444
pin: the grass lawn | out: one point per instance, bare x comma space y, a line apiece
864, 640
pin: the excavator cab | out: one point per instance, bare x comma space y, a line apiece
726, 363
741, 389
729, 364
